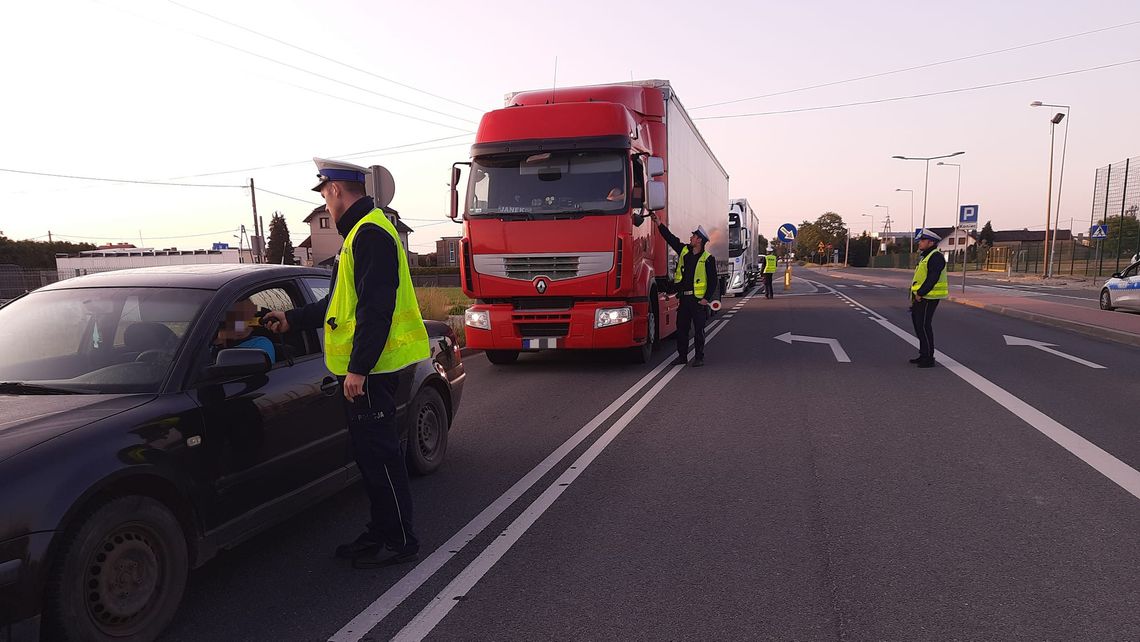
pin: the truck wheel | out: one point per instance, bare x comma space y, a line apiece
120, 574
502, 357
644, 352
427, 432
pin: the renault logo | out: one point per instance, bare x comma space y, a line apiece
540, 285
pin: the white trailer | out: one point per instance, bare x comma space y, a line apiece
744, 256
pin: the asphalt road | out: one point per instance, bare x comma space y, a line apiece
778, 493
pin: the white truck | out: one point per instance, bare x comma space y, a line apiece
743, 254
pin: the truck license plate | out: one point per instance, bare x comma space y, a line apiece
544, 343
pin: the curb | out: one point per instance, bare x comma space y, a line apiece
1099, 332
466, 352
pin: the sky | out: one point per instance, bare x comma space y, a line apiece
155, 91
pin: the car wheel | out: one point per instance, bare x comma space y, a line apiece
427, 432
1106, 300
502, 357
119, 574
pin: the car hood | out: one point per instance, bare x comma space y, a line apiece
28, 420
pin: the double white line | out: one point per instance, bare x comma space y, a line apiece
442, 603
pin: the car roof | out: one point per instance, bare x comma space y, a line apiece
212, 276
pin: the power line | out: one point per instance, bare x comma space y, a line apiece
321, 56
294, 198
369, 106
925, 66
115, 180
923, 95
338, 156
309, 72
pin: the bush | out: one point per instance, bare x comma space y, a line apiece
434, 304
457, 309
427, 271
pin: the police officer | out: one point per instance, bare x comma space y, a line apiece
928, 287
695, 282
769, 270
373, 329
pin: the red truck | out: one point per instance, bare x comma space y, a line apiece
558, 249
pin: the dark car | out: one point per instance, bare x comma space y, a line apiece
133, 448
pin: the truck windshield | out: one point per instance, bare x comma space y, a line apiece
735, 238
532, 185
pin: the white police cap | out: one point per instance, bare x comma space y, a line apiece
330, 170
700, 231
925, 233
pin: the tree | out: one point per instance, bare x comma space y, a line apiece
762, 243
831, 228
986, 236
280, 249
807, 240
36, 255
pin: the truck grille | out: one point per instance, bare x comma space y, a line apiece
543, 303
556, 267
534, 330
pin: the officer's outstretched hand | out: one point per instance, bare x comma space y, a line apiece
276, 322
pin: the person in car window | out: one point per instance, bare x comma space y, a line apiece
240, 329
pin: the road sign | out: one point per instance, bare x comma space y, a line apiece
1098, 232
968, 217
786, 233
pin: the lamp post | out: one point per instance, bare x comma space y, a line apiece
926, 181
886, 223
871, 250
911, 216
1060, 179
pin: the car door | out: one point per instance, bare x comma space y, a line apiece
1130, 287
277, 435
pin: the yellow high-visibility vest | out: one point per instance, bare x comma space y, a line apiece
700, 274
941, 288
770, 263
407, 339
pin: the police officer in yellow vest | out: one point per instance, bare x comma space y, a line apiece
373, 329
769, 270
928, 287
694, 282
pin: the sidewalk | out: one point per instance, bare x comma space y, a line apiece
1121, 327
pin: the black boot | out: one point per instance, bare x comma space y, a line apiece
361, 546
679, 361
385, 559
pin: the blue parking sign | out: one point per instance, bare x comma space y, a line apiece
968, 217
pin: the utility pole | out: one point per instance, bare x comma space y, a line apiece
49, 236
253, 199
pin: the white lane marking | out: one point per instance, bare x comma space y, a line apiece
364, 622
1048, 347
441, 604
1099, 459
836, 349
840, 285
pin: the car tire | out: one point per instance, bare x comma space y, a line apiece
1106, 300
119, 574
428, 427
502, 357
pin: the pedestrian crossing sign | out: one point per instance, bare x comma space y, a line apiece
1098, 232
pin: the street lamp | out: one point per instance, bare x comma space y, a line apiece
871, 250
1060, 180
926, 181
911, 216
885, 223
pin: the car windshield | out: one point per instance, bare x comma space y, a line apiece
735, 238
95, 340
533, 185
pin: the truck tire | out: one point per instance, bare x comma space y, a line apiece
644, 352
119, 574
427, 432
502, 357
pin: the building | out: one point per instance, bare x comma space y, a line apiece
92, 261
304, 252
324, 240
1010, 238
447, 251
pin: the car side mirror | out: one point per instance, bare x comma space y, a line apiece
238, 363
656, 166
454, 214
655, 190
1117, 275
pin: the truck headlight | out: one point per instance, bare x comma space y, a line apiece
606, 317
477, 319
737, 279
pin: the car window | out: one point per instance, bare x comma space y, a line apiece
319, 286
96, 339
1132, 271
238, 325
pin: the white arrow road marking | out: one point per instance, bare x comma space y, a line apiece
840, 354
1048, 347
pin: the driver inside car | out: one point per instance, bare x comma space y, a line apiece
241, 328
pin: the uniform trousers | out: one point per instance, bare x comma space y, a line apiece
376, 449
691, 313
922, 315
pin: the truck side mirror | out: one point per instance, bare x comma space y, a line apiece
454, 214
656, 193
656, 166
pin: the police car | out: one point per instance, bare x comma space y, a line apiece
1122, 290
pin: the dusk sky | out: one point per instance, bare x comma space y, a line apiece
151, 91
